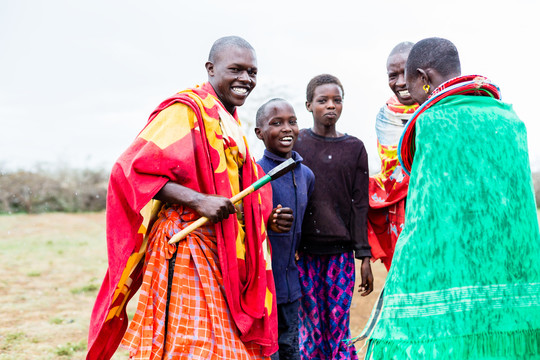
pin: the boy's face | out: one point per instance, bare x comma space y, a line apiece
326, 105
279, 129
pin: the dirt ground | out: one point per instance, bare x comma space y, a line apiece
361, 306
52, 266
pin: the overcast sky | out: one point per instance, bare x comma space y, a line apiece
78, 79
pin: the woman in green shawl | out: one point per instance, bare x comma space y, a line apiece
465, 279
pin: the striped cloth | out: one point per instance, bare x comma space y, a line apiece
199, 324
327, 283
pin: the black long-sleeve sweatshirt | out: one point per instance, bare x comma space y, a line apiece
336, 217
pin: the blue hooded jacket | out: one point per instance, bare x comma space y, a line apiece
292, 190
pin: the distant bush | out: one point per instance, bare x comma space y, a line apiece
73, 190
66, 190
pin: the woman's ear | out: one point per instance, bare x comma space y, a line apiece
424, 77
308, 106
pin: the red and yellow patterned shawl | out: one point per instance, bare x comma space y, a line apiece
200, 156
388, 189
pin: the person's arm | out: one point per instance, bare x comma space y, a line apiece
366, 284
311, 179
360, 209
214, 207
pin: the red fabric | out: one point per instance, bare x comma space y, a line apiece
199, 323
386, 217
387, 194
461, 85
193, 161
397, 107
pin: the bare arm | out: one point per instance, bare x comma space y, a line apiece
366, 282
214, 207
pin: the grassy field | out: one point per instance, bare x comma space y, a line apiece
52, 266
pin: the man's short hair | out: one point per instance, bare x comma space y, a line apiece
319, 80
401, 48
435, 53
224, 42
261, 112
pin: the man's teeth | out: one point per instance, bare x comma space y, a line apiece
239, 90
404, 93
286, 138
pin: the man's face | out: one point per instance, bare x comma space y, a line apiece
396, 77
233, 75
279, 130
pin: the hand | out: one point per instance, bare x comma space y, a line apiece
281, 219
214, 207
366, 285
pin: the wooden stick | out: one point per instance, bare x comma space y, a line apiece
202, 220
273, 174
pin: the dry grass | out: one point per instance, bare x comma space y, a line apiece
51, 266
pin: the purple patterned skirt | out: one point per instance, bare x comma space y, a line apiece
327, 283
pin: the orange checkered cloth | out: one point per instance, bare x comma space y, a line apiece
192, 140
200, 325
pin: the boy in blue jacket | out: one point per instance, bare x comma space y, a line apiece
276, 126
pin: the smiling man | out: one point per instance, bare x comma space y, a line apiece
232, 71
212, 294
388, 189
